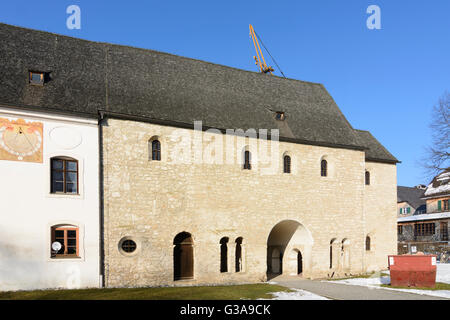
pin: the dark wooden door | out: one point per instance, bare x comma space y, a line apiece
183, 257
186, 261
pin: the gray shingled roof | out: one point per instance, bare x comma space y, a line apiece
376, 151
411, 195
86, 77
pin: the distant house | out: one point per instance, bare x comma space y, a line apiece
409, 201
423, 217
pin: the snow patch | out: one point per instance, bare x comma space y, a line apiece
297, 294
442, 275
443, 272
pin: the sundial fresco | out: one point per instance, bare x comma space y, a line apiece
20, 140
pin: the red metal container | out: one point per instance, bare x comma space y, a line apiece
413, 270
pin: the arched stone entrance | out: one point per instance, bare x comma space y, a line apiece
183, 257
288, 249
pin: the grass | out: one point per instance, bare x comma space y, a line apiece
439, 286
236, 292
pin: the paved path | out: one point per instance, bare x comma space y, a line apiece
348, 292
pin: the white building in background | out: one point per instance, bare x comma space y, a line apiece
49, 187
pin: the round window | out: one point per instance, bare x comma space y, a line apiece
128, 246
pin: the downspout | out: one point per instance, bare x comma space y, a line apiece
101, 117
101, 203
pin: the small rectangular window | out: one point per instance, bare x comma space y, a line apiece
68, 239
37, 78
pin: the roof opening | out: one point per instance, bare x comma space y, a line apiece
36, 78
279, 115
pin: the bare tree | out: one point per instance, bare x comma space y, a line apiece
438, 154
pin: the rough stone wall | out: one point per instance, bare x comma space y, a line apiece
153, 201
380, 207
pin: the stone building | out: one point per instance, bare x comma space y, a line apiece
426, 230
211, 174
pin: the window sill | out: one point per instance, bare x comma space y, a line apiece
65, 258
76, 196
64, 193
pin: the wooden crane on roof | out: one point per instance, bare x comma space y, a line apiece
259, 58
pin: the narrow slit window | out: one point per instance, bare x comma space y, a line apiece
247, 160
156, 150
287, 164
367, 243
367, 178
323, 168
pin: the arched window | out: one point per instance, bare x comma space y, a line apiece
323, 168
238, 255
367, 243
287, 164
247, 160
64, 175
224, 254
367, 178
156, 150
67, 237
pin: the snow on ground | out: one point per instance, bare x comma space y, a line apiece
442, 275
297, 294
443, 272
366, 282
434, 293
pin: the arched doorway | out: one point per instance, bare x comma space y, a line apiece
299, 263
292, 236
183, 257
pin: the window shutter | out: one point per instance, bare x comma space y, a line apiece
439, 205
408, 210
400, 210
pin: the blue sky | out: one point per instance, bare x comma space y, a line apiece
385, 81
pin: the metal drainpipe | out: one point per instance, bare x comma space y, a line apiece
101, 203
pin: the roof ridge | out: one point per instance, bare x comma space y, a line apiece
158, 52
